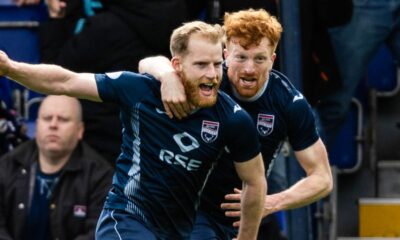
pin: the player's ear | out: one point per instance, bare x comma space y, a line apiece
226, 57
226, 53
176, 63
273, 57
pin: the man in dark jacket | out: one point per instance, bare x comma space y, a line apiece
53, 187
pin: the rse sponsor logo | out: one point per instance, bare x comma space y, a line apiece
178, 159
186, 143
190, 142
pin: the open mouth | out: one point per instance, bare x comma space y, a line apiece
206, 89
248, 82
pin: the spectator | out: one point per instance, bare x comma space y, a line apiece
319, 66
373, 23
164, 164
53, 187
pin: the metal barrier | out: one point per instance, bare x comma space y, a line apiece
19, 24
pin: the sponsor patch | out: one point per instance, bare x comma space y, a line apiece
209, 131
80, 211
265, 124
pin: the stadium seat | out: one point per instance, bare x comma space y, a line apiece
18, 38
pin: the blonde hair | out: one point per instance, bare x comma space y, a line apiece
251, 26
180, 36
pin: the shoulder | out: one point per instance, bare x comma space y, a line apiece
125, 88
282, 85
232, 112
20, 157
22, 153
123, 76
284, 92
227, 104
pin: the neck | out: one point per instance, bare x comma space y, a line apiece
50, 164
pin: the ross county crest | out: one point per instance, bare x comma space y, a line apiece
265, 124
209, 131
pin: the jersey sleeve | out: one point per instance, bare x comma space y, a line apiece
302, 130
241, 137
122, 87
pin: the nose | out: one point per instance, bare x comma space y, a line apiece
212, 71
53, 122
249, 67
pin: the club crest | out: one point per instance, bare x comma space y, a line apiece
80, 211
265, 124
209, 131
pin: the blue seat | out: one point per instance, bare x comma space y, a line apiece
18, 38
382, 72
381, 77
5, 92
281, 216
346, 152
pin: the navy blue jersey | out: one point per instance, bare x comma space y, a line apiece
279, 112
165, 162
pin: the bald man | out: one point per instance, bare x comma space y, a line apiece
53, 187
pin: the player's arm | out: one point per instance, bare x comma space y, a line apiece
317, 184
254, 188
312, 156
49, 79
173, 93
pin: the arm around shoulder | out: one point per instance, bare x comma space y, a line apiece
172, 90
156, 66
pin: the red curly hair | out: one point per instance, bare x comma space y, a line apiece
250, 26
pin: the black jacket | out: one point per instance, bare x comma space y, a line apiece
84, 181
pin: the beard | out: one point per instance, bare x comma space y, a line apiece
192, 90
245, 93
